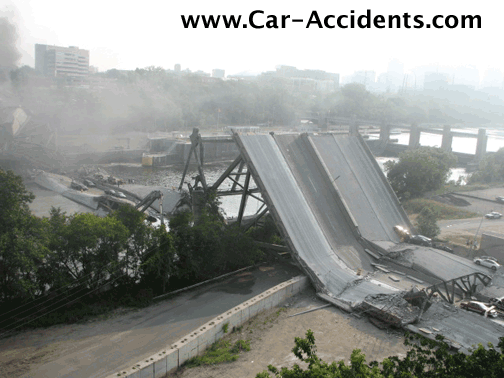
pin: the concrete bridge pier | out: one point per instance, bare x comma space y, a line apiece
446, 143
414, 138
385, 132
481, 144
354, 127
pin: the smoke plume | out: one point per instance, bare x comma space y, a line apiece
9, 54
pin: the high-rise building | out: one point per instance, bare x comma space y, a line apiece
68, 62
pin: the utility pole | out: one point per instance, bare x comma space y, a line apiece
476, 234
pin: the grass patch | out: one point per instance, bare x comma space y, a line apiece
275, 315
468, 188
220, 352
442, 210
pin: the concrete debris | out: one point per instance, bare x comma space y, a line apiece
417, 298
311, 310
414, 278
381, 267
398, 272
391, 309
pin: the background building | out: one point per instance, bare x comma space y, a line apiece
218, 73
71, 62
434, 81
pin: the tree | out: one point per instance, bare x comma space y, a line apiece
158, 261
419, 170
427, 222
209, 247
140, 239
425, 359
23, 240
356, 101
91, 248
491, 168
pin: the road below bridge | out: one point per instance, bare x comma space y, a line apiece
102, 347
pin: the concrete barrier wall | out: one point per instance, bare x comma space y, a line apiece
195, 343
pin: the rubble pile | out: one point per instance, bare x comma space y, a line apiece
391, 309
401, 254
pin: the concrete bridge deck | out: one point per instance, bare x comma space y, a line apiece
331, 202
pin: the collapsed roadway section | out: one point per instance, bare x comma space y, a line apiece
336, 212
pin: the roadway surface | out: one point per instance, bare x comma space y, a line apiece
96, 351
323, 201
472, 225
362, 185
293, 212
329, 197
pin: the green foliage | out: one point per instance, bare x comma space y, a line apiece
425, 359
225, 327
158, 262
267, 233
210, 247
442, 210
419, 170
220, 352
23, 240
77, 261
426, 222
150, 99
92, 247
491, 168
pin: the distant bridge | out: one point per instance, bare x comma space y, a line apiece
384, 140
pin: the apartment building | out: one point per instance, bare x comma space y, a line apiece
71, 62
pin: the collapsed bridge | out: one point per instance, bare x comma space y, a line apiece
336, 212
334, 207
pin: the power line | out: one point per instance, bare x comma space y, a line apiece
38, 317
45, 301
106, 283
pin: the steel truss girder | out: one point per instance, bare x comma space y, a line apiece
240, 189
446, 289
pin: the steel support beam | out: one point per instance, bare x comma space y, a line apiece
229, 193
244, 199
246, 228
463, 283
221, 179
237, 177
199, 161
186, 167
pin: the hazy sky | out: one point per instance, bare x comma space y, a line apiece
127, 35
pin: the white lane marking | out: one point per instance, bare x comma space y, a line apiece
309, 178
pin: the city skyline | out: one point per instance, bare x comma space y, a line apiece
124, 37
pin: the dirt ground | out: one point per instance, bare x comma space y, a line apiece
272, 334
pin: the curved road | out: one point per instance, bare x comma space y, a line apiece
102, 348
